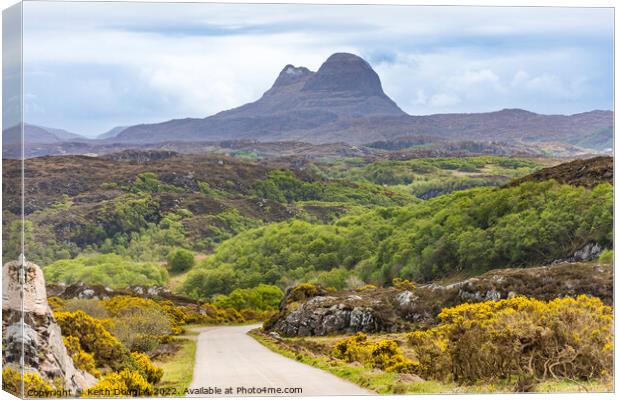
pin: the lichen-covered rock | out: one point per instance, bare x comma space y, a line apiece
40, 338
318, 312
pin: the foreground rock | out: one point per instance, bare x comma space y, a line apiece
317, 312
40, 338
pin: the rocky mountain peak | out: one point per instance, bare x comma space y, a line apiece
345, 72
291, 74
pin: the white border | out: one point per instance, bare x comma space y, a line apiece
504, 3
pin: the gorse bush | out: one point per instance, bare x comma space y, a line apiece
125, 383
382, 354
33, 383
105, 269
146, 368
139, 323
81, 359
563, 338
94, 338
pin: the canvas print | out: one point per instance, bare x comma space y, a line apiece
204, 199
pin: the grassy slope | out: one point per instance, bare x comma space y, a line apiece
395, 383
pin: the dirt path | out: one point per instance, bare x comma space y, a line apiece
226, 357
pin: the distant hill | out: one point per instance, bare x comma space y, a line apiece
34, 134
111, 133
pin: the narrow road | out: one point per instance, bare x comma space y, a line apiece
226, 357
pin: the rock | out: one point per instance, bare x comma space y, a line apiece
40, 338
304, 313
275, 335
590, 251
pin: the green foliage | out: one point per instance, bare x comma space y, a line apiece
207, 190
284, 187
203, 283
13, 236
105, 269
280, 254
148, 182
432, 177
151, 243
131, 213
180, 260
261, 298
472, 230
606, 257
485, 228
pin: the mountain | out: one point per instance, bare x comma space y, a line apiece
111, 133
343, 90
34, 134
344, 102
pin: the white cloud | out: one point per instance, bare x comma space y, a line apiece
444, 100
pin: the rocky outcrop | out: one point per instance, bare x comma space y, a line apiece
100, 292
39, 337
321, 313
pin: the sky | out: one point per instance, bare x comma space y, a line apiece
89, 67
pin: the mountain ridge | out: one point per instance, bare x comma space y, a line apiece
344, 102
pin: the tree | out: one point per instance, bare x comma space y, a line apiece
180, 260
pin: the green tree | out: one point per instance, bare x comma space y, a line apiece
180, 260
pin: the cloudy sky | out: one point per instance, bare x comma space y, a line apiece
92, 66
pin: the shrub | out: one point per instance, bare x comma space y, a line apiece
138, 323
110, 270
564, 338
94, 338
144, 366
56, 303
606, 257
120, 384
215, 314
383, 354
33, 383
180, 260
81, 359
260, 298
353, 348
302, 292
403, 284
92, 307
